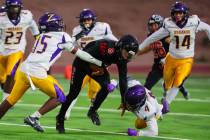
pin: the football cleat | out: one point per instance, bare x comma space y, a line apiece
132, 132
34, 122
60, 125
186, 95
165, 106
93, 115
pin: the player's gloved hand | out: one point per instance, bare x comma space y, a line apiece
112, 85
96, 70
123, 108
132, 132
163, 61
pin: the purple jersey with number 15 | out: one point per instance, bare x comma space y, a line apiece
44, 53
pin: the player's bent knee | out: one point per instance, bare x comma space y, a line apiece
60, 95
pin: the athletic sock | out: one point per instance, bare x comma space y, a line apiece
36, 115
171, 94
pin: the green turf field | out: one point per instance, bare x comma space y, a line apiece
187, 119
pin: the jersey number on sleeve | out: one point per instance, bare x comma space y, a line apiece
13, 37
185, 42
41, 44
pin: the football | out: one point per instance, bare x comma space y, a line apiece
140, 124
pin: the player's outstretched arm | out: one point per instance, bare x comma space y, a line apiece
161, 33
81, 54
204, 27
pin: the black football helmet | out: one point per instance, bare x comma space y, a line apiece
129, 43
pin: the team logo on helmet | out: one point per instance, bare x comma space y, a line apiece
51, 22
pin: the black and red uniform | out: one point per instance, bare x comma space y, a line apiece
108, 53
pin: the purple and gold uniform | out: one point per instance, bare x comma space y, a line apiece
13, 41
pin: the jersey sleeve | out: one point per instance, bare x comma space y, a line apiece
161, 33
204, 27
32, 24
108, 33
66, 42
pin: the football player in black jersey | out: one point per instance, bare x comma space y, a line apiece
109, 52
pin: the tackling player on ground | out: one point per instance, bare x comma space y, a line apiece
144, 105
181, 27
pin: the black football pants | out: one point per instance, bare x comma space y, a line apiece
80, 69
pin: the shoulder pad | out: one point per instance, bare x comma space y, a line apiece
168, 22
102, 24
25, 11
76, 30
195, 19
2, 14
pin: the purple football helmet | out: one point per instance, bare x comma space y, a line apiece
51, 22
135, 97
87, 14
2, 9
155, 19
13, 8
9, 3
179, 7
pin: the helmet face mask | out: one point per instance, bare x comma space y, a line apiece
154, 23
180, 14
13, 8
135, 97
87, 23
128, 47
51, 22
87, 19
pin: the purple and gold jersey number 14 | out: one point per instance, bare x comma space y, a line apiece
184, 43
41, 44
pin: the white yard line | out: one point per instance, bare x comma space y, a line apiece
93, 131
115, 110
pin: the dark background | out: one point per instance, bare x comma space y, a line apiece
124, 16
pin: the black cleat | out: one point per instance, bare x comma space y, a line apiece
186, 95
93, 115
34, 122
60, 125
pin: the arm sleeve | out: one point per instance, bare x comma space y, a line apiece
108, 33
87, 57
161, 33
122, 70
204, 27
32, 24
151, 130
34, 28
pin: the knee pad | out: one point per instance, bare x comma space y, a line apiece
60, 95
